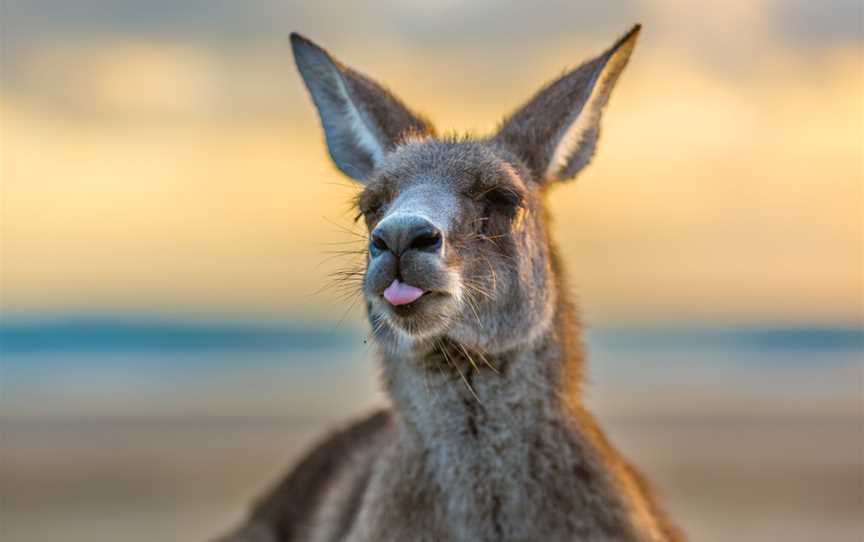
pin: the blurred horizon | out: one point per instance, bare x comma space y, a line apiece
90, 333
87, 368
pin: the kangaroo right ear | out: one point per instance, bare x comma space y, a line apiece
556, 132
361, 119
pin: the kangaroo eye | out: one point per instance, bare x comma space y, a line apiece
503, 197
369, 203
502, 200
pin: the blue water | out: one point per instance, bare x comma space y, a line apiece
105, 335
123, 366
89, 335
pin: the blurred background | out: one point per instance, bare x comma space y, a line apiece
169, 345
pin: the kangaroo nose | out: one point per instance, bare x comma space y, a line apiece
404, 234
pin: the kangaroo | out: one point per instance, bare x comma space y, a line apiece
479, 343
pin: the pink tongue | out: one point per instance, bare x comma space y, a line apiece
399, 293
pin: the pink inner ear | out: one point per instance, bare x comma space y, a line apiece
399, 293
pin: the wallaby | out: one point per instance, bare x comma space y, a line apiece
479, 344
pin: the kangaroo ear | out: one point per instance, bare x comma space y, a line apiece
362, 120
556, 132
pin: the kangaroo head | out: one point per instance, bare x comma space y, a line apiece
458, 240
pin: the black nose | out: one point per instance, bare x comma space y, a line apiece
401, 234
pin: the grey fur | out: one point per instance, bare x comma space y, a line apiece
537, 129
487, 439
345, 98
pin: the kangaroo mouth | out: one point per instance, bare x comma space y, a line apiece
401, 293
426, 305
415, 300
414, 311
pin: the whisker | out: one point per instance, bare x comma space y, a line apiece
345, 229
492, 272
467, 355
472, 304
345, 314
488, 363
472, 286
347, 252
348, 242
335, 256
346, 273
438, 346
478, 286
461, 374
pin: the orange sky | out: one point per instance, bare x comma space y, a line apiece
163, 174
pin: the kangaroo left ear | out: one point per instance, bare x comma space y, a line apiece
362, 121
556, 132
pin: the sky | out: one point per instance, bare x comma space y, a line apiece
163, 158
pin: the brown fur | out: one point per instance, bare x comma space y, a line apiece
488, 439
289, 504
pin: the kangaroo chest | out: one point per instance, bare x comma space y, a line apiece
491, 480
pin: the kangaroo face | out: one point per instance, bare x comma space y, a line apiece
454, 240
458, 246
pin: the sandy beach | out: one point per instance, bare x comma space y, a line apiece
181, 480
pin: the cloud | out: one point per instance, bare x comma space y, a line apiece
508, 24
511, 24
123, 78
197, 58
218, 19
192, 19
149, 81
805, 23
